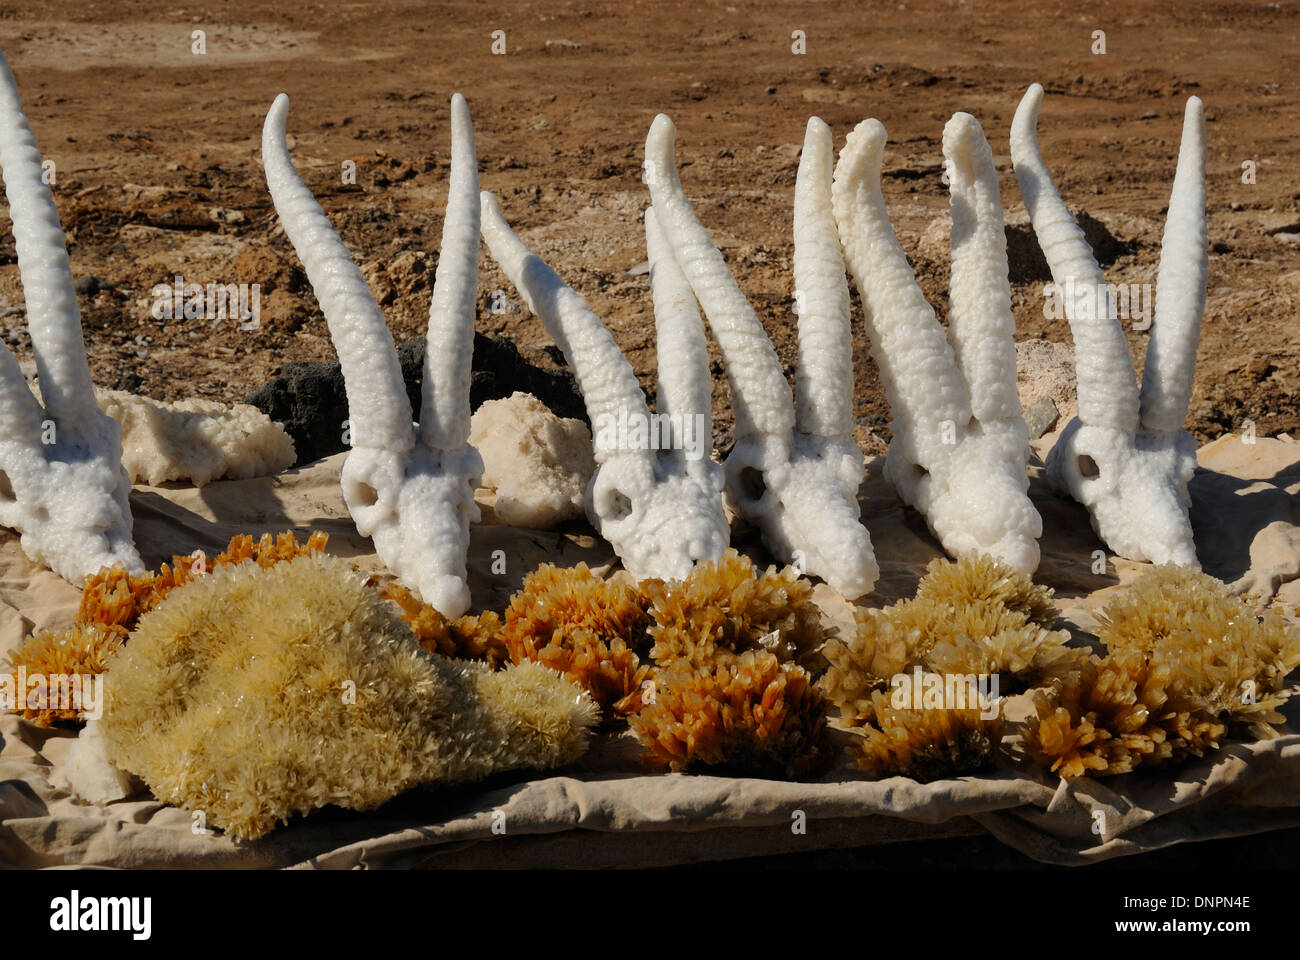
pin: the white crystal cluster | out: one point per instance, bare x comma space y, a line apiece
538, 464
195, 440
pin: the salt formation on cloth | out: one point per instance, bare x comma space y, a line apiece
62, 484
655, 495
538, 464
960, 448
409, 488
195, 440
794, 470
336, 702
89, 773
1126, 456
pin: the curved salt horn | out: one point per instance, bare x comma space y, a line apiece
449, 346
1108, 394
605, 377
685, 387
981, 327
1180, 287
378, 408
760, 396
824, 373
53, 318
916, 361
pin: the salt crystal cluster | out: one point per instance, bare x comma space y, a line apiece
62, 484
960, 444
195, 440
409, 488
1126, 456
538, 464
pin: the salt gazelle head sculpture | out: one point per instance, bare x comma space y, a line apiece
794, 471
408, 487
960, 446
62, 484
658, 504
1126, 456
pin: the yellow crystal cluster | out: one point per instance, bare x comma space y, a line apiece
928, 744
260, 692
1188, 665
975, 615
731, 693
81, 652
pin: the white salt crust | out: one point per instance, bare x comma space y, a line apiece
960, 445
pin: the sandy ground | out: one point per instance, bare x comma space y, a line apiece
156, 153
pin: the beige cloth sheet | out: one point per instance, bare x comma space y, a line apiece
605, 812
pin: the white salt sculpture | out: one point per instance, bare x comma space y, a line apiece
794, 470
62, 484
656, 495
1126, 456
410, 488
960, 445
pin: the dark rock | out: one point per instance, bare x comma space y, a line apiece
1025, 257
128, 381
310, 401
88, 285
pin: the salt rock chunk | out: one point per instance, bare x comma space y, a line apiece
89, 773
195, 440
538, 464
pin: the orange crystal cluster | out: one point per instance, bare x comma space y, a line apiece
117, 600
1188, 664
730, 693
590, 629
465, 638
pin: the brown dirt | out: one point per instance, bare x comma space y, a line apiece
158, 172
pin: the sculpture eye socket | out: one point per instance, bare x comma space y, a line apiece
620, 506
752, 484
1088, 467
6, 489
367, 496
